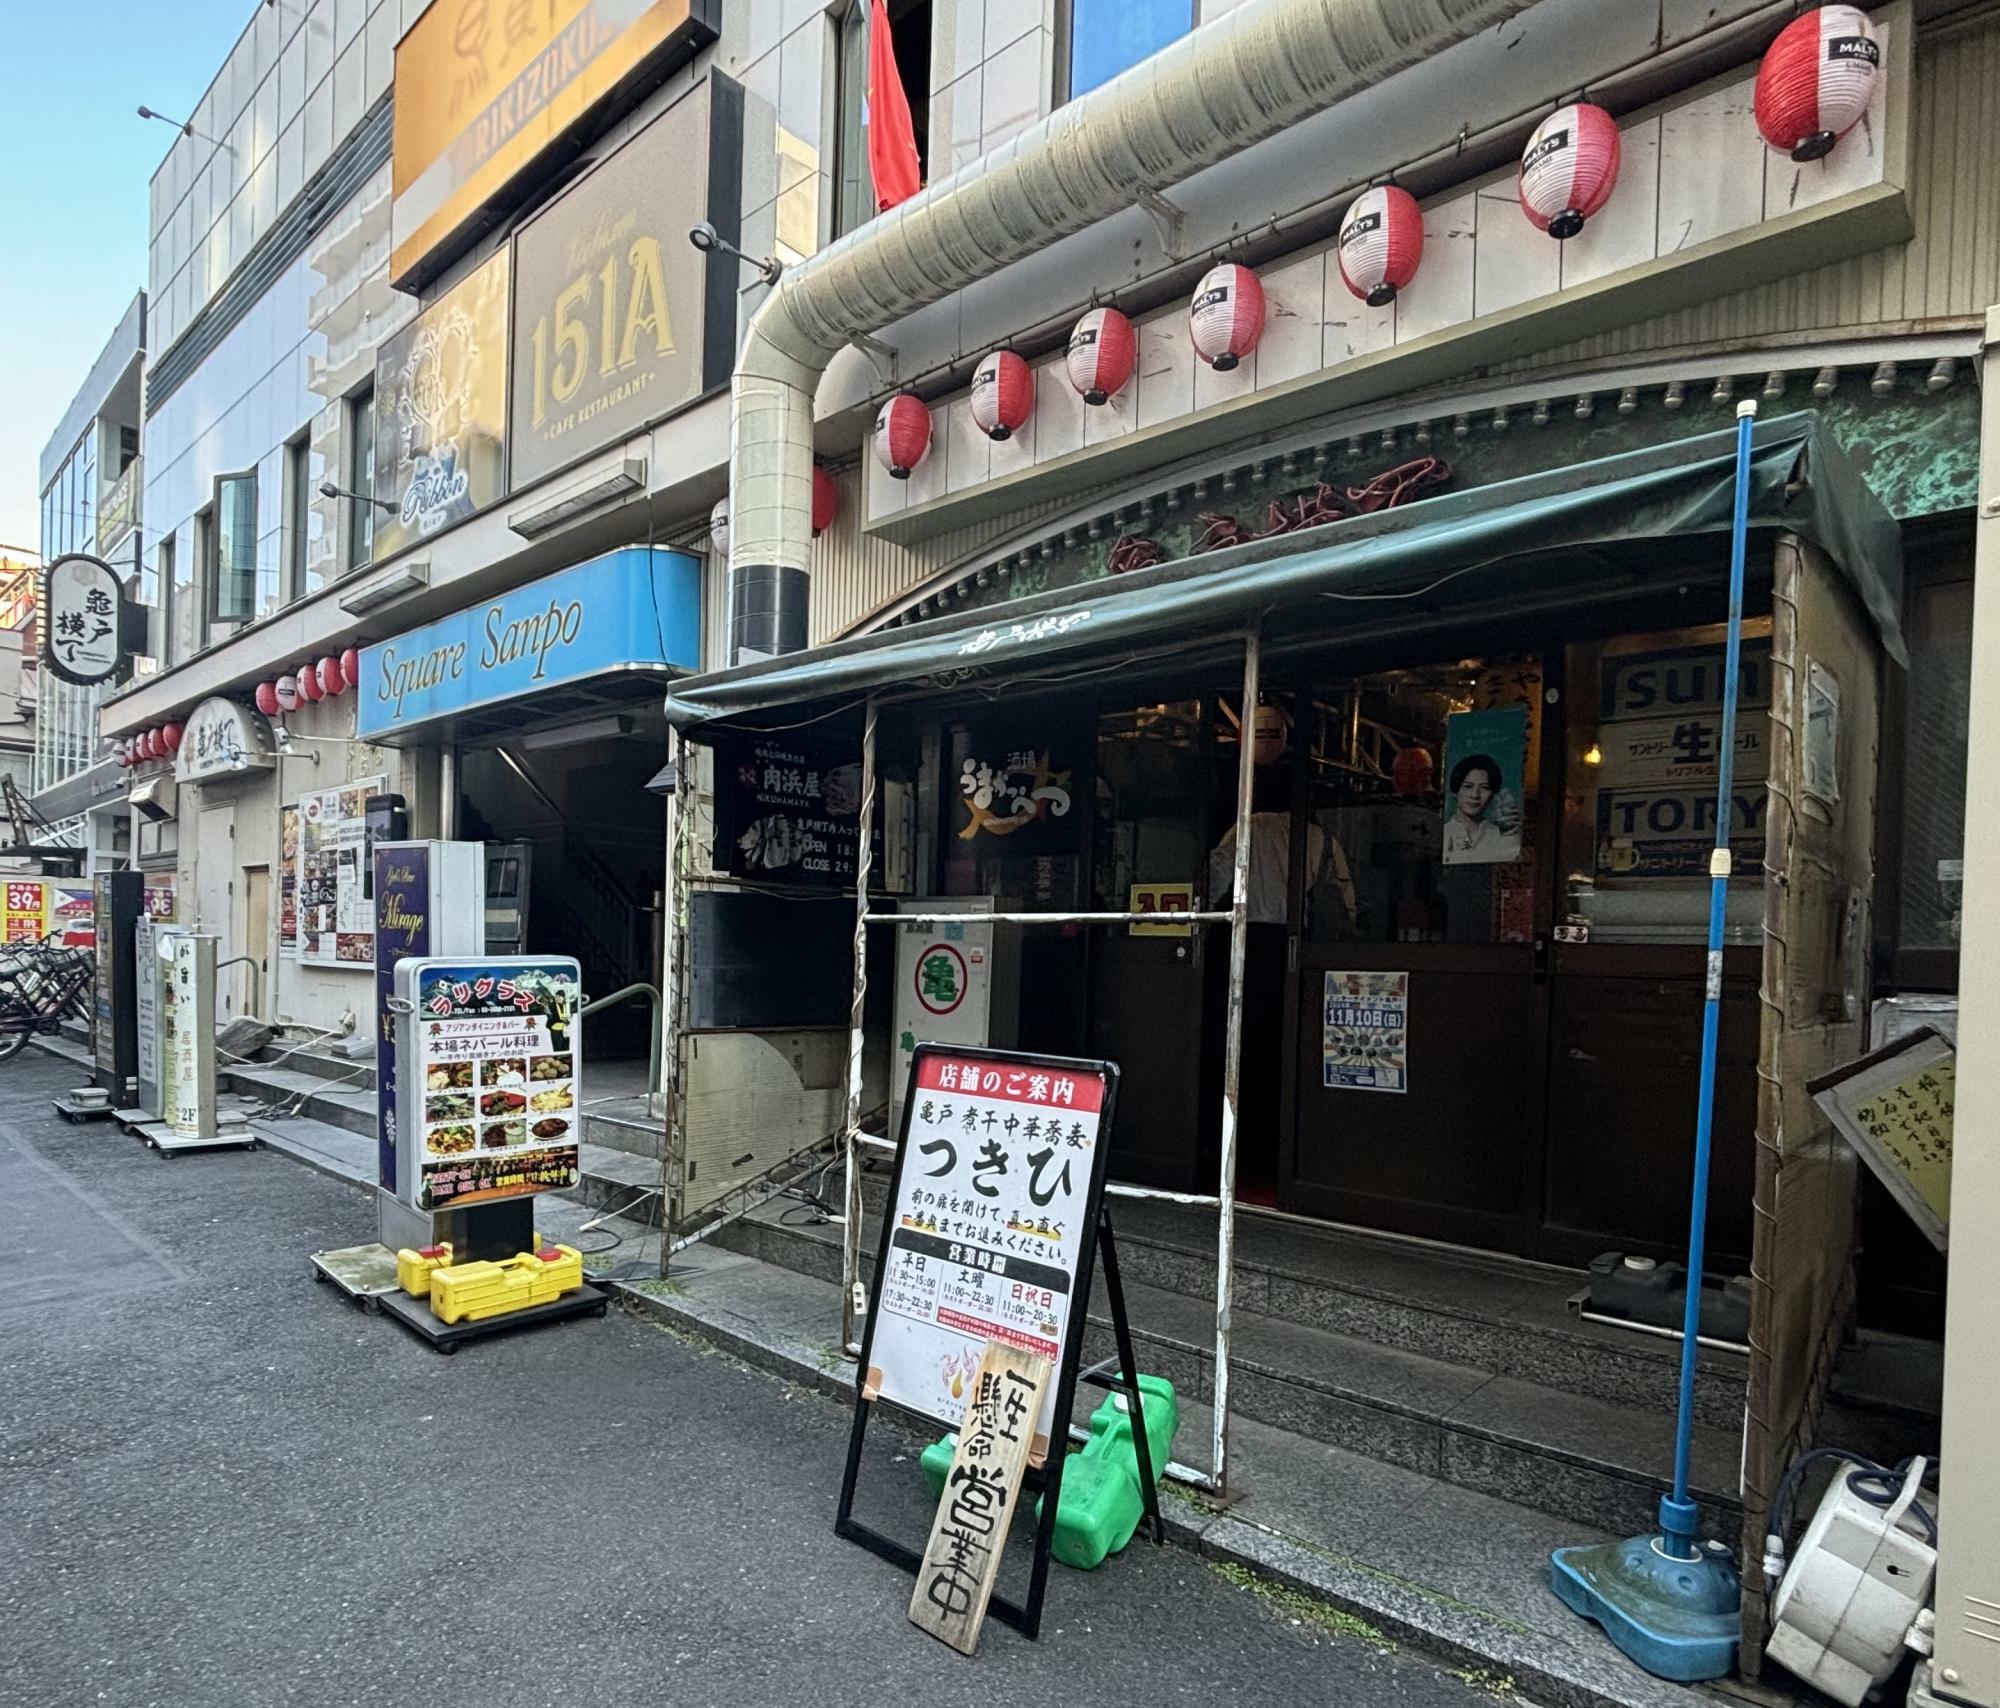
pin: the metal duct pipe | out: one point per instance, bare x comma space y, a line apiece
1251, 73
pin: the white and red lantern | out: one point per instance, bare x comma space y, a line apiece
1816, 80
121, 751
332, 679
1226, 317
1569, 168
902, 434
1103, 349
1003, 394
266, 698
718, 528
170, 739
285, 691
149, 744
350, 666
826, 500
1381, 243
310, 689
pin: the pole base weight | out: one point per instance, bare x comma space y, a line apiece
1679, 1619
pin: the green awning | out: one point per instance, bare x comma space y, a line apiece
1488, 538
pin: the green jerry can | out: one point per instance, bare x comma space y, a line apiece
1101, 1505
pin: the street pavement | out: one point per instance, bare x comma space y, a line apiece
220, 1484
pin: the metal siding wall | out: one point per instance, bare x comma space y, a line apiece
855, 573
1950, 269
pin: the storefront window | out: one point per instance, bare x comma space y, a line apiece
1644, 726
1420, 825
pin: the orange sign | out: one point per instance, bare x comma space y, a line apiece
483, 86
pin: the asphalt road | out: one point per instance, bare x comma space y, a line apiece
219, 1484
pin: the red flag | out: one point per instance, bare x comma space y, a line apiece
892, 138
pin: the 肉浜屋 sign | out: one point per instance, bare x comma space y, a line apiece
634, 609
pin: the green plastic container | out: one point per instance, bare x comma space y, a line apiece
1101, 1503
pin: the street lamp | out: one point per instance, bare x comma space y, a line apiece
708, 240
185, 127
328, 490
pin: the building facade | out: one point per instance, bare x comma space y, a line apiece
1384, 650
91, 474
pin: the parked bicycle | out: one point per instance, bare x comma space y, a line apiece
42, 984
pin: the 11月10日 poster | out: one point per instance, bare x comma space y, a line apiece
1365, 1036
992, 1206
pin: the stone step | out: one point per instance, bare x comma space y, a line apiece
1497, 1314
611, 1179
323, 1060
290, 1090
625, 1124
1589, 1460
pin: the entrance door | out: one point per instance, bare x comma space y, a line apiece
214, 871
256, 935
1416, 1055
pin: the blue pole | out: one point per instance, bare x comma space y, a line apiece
1680, 1519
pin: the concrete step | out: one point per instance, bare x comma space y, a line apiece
1589, 1460
625, 1124
611, 1179
1492, 1313
290, 1090
325, 1060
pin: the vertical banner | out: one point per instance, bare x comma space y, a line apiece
402, 927
146, 1011
1485, 754
188, 999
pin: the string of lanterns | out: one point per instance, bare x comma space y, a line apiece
1814, 85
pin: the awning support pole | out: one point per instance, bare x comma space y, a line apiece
1232, 1061
850, 1233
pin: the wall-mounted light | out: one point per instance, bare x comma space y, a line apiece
710, 241
186, 128
327, 489
1593, 754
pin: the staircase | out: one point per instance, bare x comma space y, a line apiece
1467, 1369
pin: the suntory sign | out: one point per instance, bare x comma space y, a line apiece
484, 86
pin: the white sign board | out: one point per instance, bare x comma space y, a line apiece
224, 739
188, 1000
996, 1182
80, 597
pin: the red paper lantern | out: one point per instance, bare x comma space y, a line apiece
1226, 317
350, 666
266, 698
332, 679
310, 689
902, 434
1414, 773
718, 528
170, 737
286, 692
826, 500
149, 744
121, 753
1102, 353
1381, 243
1003, 394
1816, 80
1569, 168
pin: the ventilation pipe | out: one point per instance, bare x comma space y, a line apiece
1251, 73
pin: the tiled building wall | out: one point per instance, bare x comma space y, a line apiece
298, 81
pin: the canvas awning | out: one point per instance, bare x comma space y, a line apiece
1534, 534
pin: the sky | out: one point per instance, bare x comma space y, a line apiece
75, 160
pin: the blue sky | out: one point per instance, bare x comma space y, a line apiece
75, 159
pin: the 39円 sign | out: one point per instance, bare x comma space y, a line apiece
997, 1184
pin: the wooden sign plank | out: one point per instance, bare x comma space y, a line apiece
983, 1487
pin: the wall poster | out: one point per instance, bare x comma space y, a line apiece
288, 883
1365, 1032
331, 910
1485, 754
35, 908
996, 1181
493, 1088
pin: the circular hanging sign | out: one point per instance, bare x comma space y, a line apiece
79, 626
941, 979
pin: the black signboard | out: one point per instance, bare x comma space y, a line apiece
787, 811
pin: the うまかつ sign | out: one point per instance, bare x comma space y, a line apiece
634, 609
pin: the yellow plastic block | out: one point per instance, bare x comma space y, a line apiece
470, 1292
415, 1268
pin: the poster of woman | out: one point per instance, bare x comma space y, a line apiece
1484, 753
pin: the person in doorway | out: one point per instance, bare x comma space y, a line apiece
1485, 824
